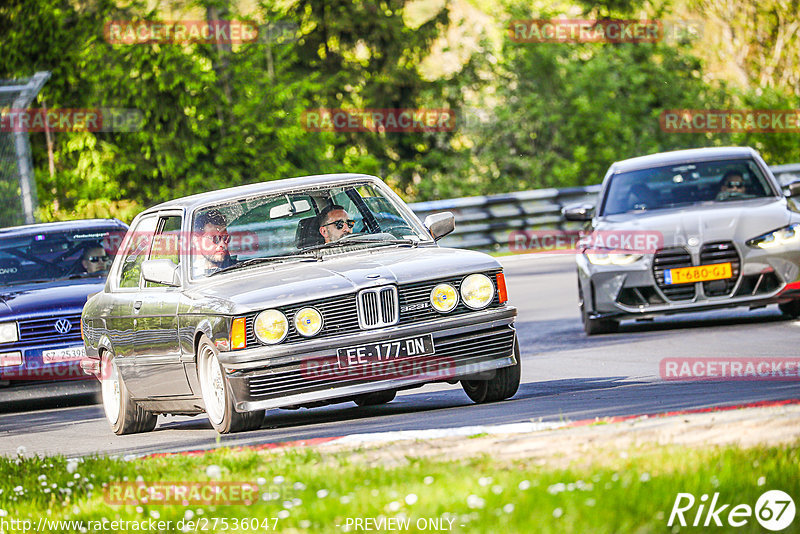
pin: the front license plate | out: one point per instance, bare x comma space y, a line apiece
69, 354
701, 273
385, 351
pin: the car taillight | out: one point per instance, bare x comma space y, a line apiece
238, 334
501, 287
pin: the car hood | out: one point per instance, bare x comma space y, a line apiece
735, 221
267, 286
47, 298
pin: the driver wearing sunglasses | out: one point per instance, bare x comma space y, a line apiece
95, 260
211, 239
334, 223
732, 185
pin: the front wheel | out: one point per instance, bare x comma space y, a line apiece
591, 325
504, 385
122, 412
791, 308
217, 395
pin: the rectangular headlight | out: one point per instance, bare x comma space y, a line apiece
9, 332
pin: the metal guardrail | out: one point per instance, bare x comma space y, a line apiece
489, 222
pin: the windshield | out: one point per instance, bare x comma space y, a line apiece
298, 225
684, 185
57, 255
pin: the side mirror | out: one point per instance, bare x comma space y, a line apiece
440, 224
792, 189
578, 212
162, 271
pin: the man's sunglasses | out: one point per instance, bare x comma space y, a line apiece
95, 259
736, 184
218, 238
340, 224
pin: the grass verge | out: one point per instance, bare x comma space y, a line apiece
302, 490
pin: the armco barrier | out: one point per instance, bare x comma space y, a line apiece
486, 222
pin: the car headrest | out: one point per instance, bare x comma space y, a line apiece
307, 234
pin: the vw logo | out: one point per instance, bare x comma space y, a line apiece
63, 326
693, 241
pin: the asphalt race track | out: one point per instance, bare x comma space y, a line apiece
565, 376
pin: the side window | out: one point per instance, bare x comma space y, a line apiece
138, 247
166, 242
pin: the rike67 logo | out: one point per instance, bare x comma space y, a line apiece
774, 510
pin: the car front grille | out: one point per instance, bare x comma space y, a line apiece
672, 258
340, 314
44, 328
720, 252
452, 351
378, 307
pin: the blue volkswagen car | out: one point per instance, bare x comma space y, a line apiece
47, 272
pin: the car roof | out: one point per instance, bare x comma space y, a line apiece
274, 186
663, 159
61, 226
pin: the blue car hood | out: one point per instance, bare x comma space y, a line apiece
47, 298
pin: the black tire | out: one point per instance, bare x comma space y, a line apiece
791, 308
217, 396
593, 326
376, 398
123, 414
504, 385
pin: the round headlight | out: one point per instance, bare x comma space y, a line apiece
308, 322
477, 291
444, 298
271, 327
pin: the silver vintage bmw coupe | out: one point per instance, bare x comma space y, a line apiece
684, 231
292, 293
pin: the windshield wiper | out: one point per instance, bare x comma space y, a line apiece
269, 259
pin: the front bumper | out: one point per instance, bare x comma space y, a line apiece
765, 277
465, 345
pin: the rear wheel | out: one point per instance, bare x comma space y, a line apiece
122, 413
504, 385
791, 308
217, 395
594, 326
376, 398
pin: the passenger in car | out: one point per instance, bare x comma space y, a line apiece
95, 260
731, 185
334, 224
211, 240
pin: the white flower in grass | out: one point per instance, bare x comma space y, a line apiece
556, 488
21, 450
72, 466
344, 499
278, 479
762, 481
590, 502
473, 501
508, 508
321, 494
288, 504
283, 514
154, 514
524, 485
213, 471
188, 514
485, 481
261, 481
645, 477
305, 523
3, 513
299, 486
393, 506
297, 502
427, 480
497, 489
558, 512
411, 498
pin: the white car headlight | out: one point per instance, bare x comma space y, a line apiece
612, 259
271, 327
787, 235
444, 298
477, 291
9, 332
308, 322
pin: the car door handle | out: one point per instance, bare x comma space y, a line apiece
137, 305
